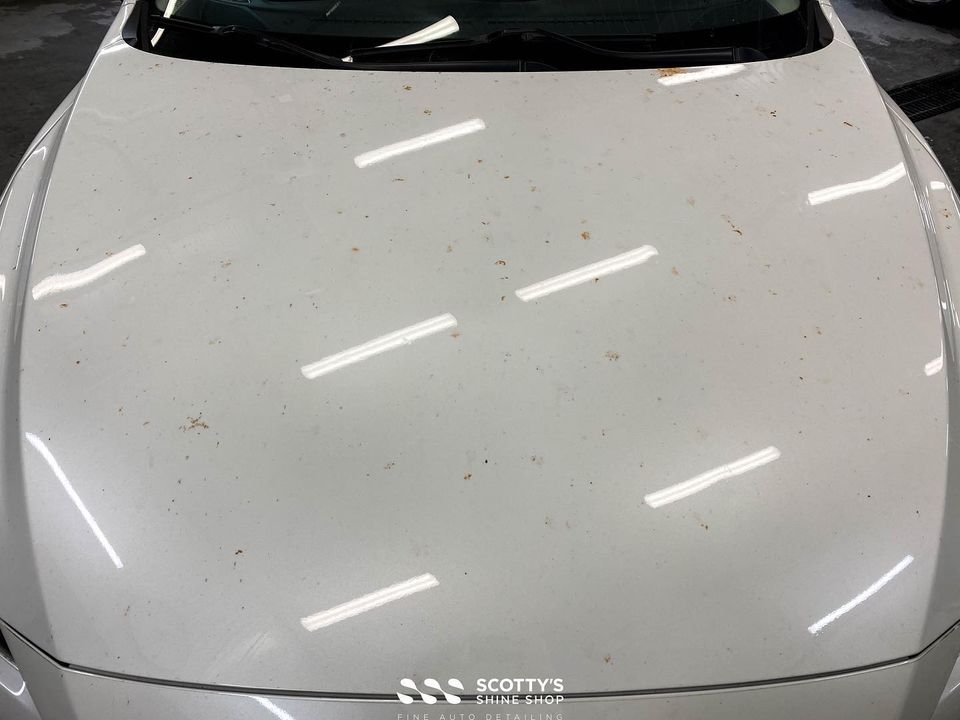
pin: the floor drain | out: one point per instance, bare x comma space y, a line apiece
928, 97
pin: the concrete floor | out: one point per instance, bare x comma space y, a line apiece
45, 48
899, 51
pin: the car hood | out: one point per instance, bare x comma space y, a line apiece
627, 378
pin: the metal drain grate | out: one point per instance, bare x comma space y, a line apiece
928, 97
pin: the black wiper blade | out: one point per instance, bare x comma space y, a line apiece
555, 49
261, 38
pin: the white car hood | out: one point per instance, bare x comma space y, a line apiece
767, 325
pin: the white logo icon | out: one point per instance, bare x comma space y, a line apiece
451, 698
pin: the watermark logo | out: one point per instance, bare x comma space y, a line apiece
426, 697
488, 691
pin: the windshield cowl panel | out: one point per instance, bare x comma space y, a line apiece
478, 35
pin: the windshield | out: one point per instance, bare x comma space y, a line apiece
483, 34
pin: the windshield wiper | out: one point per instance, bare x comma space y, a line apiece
544, 47
260, 38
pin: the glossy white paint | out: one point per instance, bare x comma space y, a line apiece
901, 691
798, 291
402, 147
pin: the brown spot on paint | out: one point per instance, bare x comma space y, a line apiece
585, 235
194, 423
670, 72
733, 227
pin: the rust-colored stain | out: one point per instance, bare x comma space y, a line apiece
467, 476
733, 227
194, 423
354, 249
585, 235
455, 334
500, 262
670, 72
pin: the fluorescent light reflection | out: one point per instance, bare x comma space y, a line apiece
872, 590
937, 185
44, 451
877, 182
707, 73
711, 477
382, 344
418, 143
934, 366
277, 711
440, 29
12, 670
369, 602
587, 273
167, 12
69, 281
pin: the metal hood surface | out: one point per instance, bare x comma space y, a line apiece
330, 378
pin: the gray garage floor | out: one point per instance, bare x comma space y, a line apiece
45, 48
